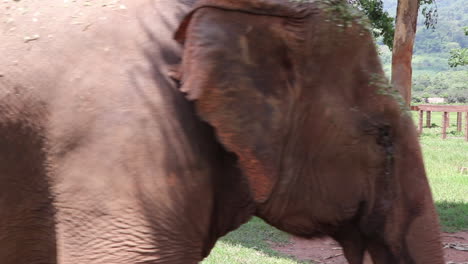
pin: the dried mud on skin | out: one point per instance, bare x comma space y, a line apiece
327, 251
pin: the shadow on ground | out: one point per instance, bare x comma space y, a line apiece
453, 215
255, 235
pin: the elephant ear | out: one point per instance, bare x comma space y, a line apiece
237, 68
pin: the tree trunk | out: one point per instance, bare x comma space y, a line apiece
405, 31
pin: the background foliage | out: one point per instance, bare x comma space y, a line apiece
432, 74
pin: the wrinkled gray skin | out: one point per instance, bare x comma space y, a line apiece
103, 159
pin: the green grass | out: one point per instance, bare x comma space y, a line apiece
250, 245
443, 158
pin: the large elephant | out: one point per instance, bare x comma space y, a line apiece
120, 143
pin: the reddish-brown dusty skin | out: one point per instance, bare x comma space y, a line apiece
327, 251
103, 160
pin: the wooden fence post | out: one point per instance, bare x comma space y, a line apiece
459, 121
428, 118
466, 127
444, 125
448, 120
420, 126
446, 110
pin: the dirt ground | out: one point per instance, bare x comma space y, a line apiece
327, 251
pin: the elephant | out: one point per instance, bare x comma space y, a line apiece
143, 131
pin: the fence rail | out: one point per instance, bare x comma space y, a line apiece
446, 109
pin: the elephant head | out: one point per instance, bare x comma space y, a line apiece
297, 92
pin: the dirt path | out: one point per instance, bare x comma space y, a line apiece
327, 251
